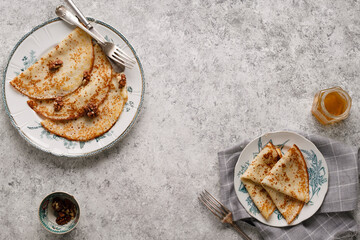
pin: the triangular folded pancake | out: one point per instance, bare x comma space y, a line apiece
260, 197
289, 207
40, 82
256, 172
290, 176
74, 104
86, 128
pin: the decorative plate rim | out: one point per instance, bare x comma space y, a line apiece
307, 141
122, 135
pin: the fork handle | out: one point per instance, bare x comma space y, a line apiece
79, 14
242, 233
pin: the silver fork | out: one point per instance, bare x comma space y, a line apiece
220, 211
109, 48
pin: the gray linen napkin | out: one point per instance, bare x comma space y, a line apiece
333, 220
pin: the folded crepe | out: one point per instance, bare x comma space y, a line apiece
60, 71
260, 197
86, 128
290, 176
93, 90
256, 172
289, 207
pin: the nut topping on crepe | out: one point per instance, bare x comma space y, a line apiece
122, 80
55, 65
58, 104
91, 110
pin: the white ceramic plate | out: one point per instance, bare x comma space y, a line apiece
30, 48
317, 169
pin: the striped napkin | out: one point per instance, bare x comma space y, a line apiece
334, 219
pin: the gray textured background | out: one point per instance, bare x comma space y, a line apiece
216, 72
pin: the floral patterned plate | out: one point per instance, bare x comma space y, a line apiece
26, 52
317, 169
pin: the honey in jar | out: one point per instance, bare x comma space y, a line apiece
331, 105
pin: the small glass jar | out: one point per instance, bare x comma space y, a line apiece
331, 105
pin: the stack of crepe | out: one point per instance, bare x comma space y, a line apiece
276, 181
79, 99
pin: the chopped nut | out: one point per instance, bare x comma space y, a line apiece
91, 110
63, 220
57, 204
122, 80
86, 78
65, 209
58, 104
55, 65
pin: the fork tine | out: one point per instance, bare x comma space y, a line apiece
225, 208
120, 51
121, 61
214, 207
123, 58
209, 201
208, 207
122, 54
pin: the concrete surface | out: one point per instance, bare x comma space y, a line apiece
216, 72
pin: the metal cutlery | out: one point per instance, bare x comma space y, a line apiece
87, 24
117, 67
82, 18
220, 211
110, 49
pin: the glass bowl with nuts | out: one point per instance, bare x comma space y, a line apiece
59, 212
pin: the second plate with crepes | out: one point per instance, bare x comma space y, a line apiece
317, 169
